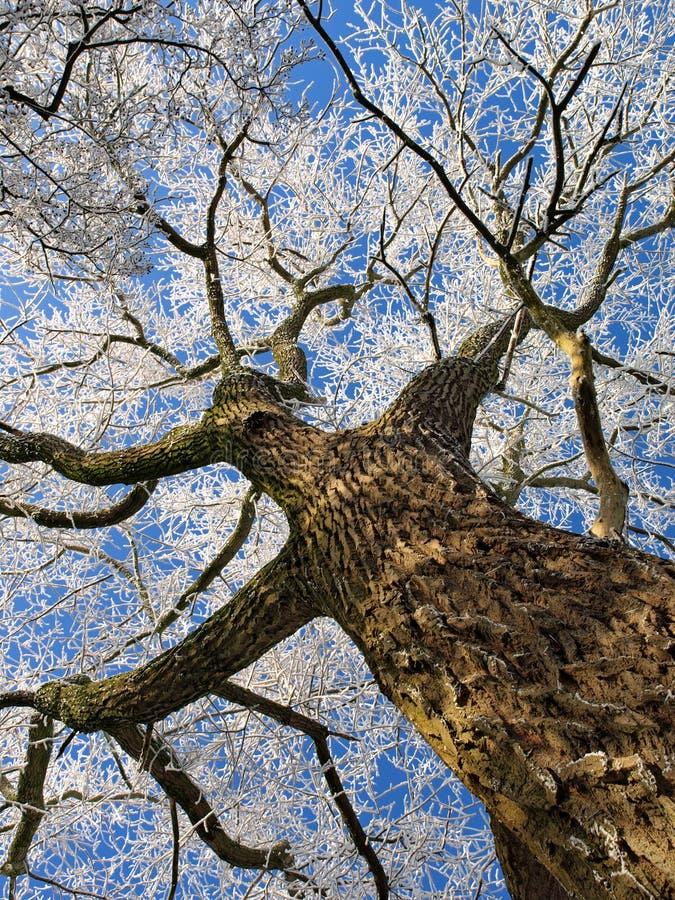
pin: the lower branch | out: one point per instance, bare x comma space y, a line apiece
30, 794
183, 448
319, 734
270, 608
160, 760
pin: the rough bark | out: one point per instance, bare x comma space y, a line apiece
526, 877
270, 608
537, 664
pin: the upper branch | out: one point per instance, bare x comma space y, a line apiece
409, 142
612, 490
183, 448
74, 51
553, 216
229, 359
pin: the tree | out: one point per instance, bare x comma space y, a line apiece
339, 324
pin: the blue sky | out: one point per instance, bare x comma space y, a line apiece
320, 93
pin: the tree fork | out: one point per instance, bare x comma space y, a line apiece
536, 663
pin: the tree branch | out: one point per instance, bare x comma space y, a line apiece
407, 141
84, 519
159, 759
646, 378
270, 608
613, 492
319, 734
229, 359
30, 794
75, 50
229, 550
181, 449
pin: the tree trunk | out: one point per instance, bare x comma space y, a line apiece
537, 664
525, 876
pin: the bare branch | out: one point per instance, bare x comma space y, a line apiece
145, 209
639, 234
10, 699
61, 887
158, 758
410, 143
30, 794
175, 849
552, 218
613, 492
513, 234
319, 734
522, 152
102, 518
229, 358
75, 50
230, 549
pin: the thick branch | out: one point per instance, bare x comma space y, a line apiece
143, 208
442, 401
270, 608
613, 492
654, 228
183, 448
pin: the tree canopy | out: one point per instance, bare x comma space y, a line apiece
210, 202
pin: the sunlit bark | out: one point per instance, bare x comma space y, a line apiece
489, 189
535, 662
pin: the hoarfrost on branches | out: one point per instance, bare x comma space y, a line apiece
138, 139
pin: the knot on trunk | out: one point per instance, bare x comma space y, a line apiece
247, 386
69, 701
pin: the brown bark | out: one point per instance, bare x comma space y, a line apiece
29, 795
526, 877
537, 664
268, 609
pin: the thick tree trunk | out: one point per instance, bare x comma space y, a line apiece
537, 664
